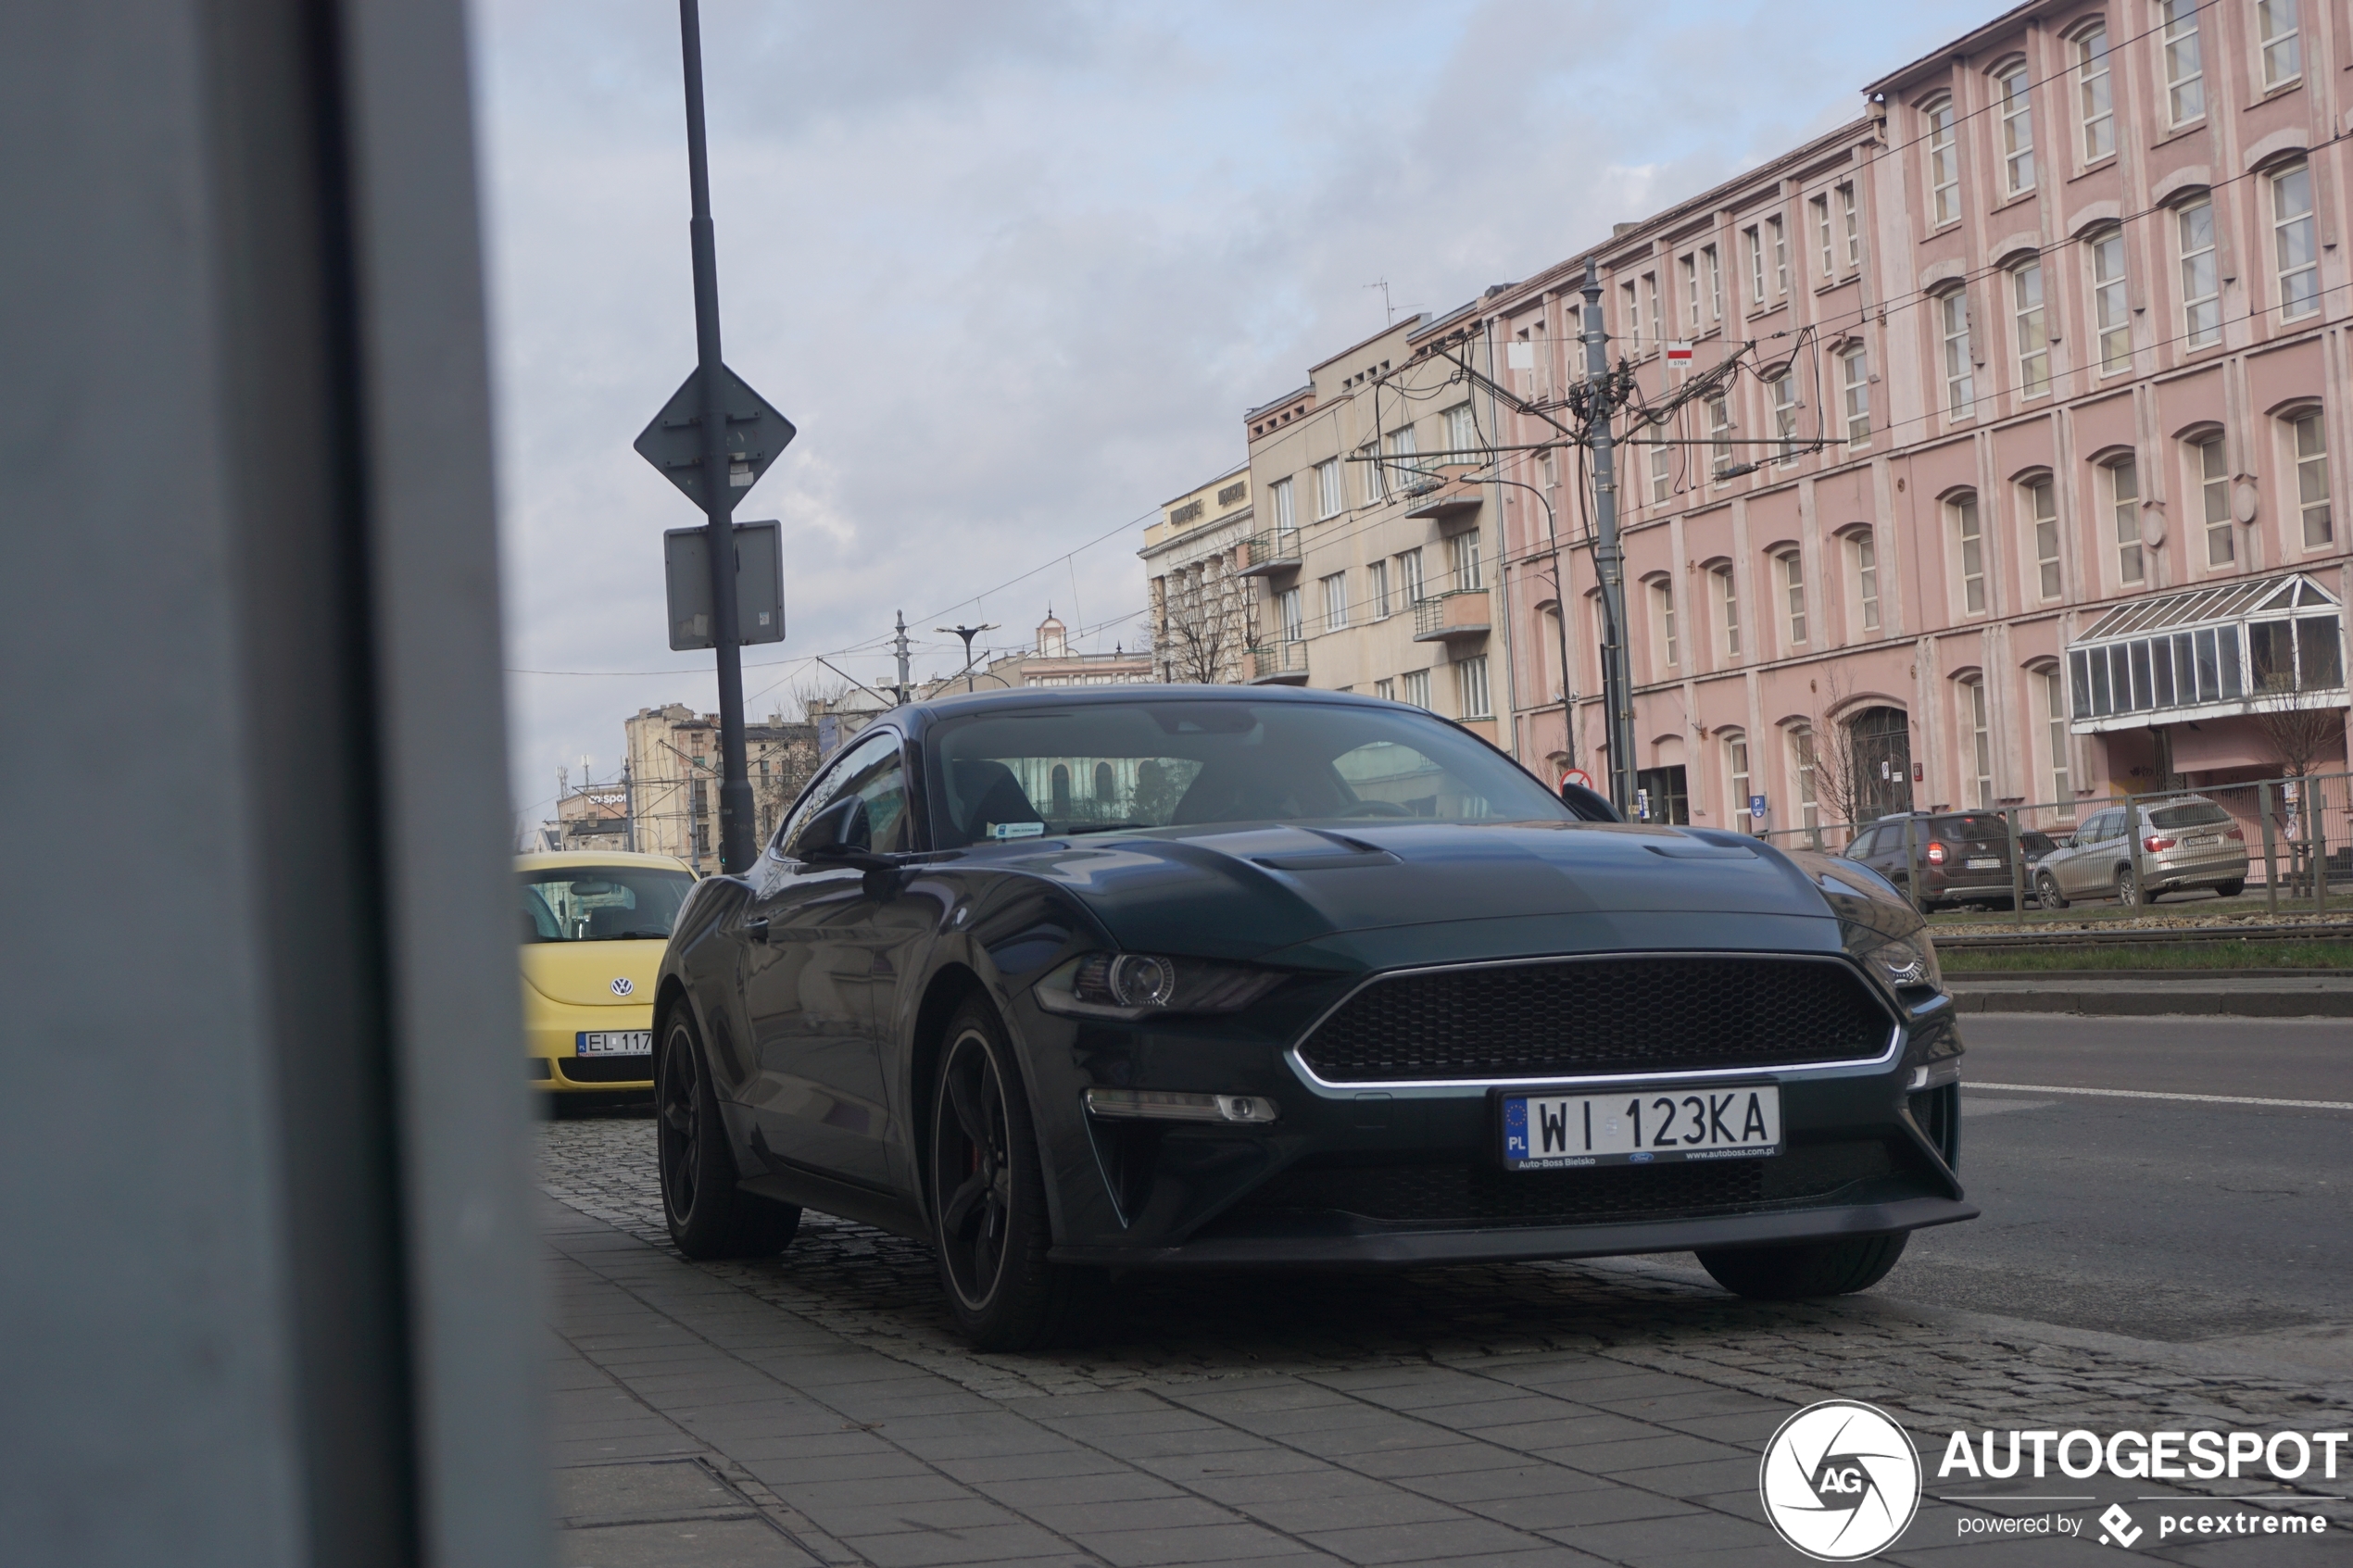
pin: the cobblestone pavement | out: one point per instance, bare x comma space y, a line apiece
818, 1407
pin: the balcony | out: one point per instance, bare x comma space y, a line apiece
1459, 612
1451, 501
1270, 553
1278, 664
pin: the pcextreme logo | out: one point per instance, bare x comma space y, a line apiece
1839, 1481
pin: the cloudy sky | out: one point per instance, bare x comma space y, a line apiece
1017, 269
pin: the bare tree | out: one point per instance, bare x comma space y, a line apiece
1840, 787
2298, 733
1205, 625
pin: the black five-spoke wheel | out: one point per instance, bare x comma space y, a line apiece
709, 1217
988, 1194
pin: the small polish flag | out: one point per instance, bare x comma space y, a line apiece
1679, 351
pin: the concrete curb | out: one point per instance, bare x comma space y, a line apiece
2152, 1000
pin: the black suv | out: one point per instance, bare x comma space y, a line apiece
1963, 856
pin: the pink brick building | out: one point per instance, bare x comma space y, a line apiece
2049, 415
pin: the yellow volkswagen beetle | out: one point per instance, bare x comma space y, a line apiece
593, 929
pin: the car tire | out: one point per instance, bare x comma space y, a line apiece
2128, 890
2230, 889
709, 1215
990, 1229
2046, 891
1807, 1268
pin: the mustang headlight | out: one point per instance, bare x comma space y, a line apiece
1901, 963
1140, 984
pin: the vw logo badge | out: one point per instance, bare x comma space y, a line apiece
1840, 1480
624, 986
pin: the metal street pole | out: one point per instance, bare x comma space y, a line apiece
900, 643
1609, 561
718, 493
968, 634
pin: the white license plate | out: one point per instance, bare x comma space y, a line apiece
615, 1042
1986, 863
2201, 843
1636, 1126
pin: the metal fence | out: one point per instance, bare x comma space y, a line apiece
2299, 833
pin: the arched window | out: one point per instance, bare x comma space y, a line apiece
1968, 545
1981, 743
2210, 474
1790, 566
1943, 161
2123, 480
2111, 310
2033, 338
2094, 110
2309, 444
1960, 355
1862, 577
2038, 503
2201, 291
1062, 792
2018, 127
1105, 785
2293, 232
1737, 812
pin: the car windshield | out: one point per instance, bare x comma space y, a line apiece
1091, 767
1973, 828
601, 903
2189, 814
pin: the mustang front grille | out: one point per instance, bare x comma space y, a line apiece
1576, 1017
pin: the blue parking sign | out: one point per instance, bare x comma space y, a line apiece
1757, 807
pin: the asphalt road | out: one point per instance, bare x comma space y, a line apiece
2160, 1219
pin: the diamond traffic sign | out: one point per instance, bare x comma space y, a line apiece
756, 434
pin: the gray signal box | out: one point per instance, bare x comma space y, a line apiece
759, 583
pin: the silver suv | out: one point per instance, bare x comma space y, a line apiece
2187, 841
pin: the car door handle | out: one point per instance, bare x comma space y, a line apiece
757, 928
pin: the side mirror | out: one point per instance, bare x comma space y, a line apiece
1590, 805
839, 836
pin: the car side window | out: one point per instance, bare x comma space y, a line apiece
1864, 845
881, 782
2101, 828
861, 761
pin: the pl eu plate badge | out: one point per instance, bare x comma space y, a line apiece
1515, 1129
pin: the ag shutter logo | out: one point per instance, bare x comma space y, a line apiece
623, 986
1839, 1481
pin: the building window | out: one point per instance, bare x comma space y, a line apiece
1972, 547
1792, 569
2201, 295
1287, 613
1719, 436
1855, 366
1278, 501
1630, 312
2292, 230
1377, 588
1386, 690
1462, 552
1736, 763
2124, 510
1780, 255
1663, 617
1981, 741
1852, 216
2111, 312
1784, 388
1470, 687
2313, 478
1334, 601
1864, 551
2018, 129
1415, 687
1715, 266
1756, 266
2185, 70
2054, 708
2214, 491
1328, 496
1658, 326
2033, 341
2098, 115
1690, 266
1662, 473
1728, 600
1461, 433
1960, 387
1943, 164
1825, 236
1376, 474
1404, 444
2042, 513
1800, 750
2283, 55
1409, 577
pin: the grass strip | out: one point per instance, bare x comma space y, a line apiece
2150, 955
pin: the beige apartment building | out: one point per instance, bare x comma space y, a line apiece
1204, 611
672, 778
1374, 543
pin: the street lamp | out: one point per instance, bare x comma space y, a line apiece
968, 634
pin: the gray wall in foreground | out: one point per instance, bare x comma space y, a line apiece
267, 1278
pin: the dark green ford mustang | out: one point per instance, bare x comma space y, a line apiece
1143, 976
